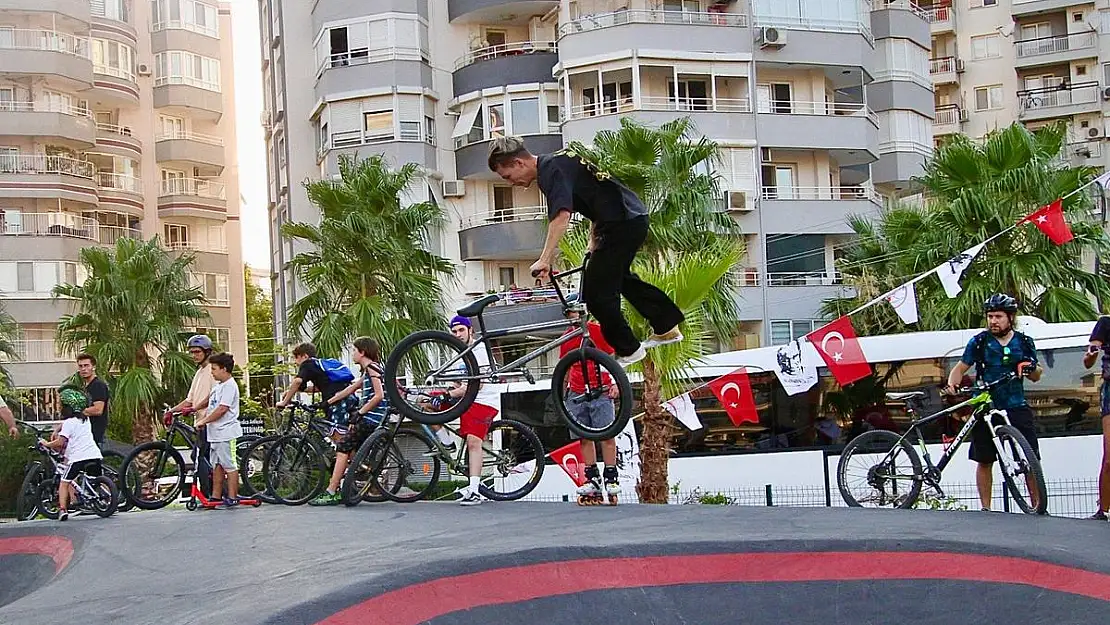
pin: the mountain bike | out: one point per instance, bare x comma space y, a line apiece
404, 464
888, 485
433, 362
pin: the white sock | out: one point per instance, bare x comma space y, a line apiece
474, 483
443, 436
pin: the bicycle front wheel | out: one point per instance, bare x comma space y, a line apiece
879, 469
512, 461
105, 496
113, 463
1021, 470
153, 475
401, 467
295, 470
252, 478
592, 393
426, 365
27, 501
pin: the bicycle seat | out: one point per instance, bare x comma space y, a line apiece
905, 396
475, 308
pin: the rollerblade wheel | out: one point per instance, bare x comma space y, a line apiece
613, 500
589, 500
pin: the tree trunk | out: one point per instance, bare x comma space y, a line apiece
655, 440
142, 423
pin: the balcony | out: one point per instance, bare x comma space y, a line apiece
1084, 153
39, 52
1019, 8
1056, 49
606, 33
121, 192
47, 177
380, 68
41, 350
1059, 101
38, 362
941, 18
803, 278
193, 246
824, 41
849, 130
113, 16
49, 119
479, 11
472, 160
509, 64
117, 140
192, 197
115, 84
737, 123
818, 210
23, 234
77, 11
507, 234
948, 119
188, 35
944, 70
190, 147
199, 98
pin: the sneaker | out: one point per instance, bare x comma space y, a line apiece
632, 358
327, 499
612, 488
470, 498
588, 489
230, 503
674, 335
1098, 516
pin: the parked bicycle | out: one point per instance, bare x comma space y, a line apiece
433, 362
95, 495
879, 451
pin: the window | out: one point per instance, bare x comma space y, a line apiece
975, 4
526, 116
496, 114
172, 127
692, 95
112, 58
378, 125
986, 47
1106, 72
553, 117
774, 97
502, 203
186, 15
378, 39
214, 286
177, 236
110, 9
506, 277
410, 131
186, 68
795, 259
989, 97
430, 130
25, 277
783, 331
778, 182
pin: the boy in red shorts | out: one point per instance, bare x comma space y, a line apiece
475, 422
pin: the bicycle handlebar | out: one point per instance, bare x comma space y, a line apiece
986, 386
569, 272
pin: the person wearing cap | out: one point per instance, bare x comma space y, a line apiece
475, 422
619, 226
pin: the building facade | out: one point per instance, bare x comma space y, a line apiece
117, 119
820, 107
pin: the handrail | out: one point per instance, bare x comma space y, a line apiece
41, 106
942, 65
190, 136
835, 25
115, 129
363, 56
655, 16
47, 40
938, 14
192, 186
118, 72
802, 107
65, 225
505, 215
119, 182
1056, 43
181, 79
845, 193
45, 164
40, 350
193, 246
803, 278
506, 49
180, 24
660, 103
947, 114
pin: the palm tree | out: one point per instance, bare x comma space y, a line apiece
974, 190
689, 252
129, 314
8, 330
369, 272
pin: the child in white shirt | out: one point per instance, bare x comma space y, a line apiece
222, 424
81, 452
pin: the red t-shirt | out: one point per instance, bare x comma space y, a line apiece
576, 381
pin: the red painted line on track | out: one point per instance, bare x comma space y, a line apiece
427, 600
57, 548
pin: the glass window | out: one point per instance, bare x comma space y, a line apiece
378, 125
25, 276
989, 97
526, 116
496, 119
985, 47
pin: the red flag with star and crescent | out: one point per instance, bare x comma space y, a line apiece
839, 348
735, 393
1049, 219
569, 457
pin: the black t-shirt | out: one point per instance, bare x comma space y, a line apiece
311, 372
98, 391
570, 184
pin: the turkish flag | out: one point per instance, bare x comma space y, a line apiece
1049, 219
735, 392
569, 457
839, 348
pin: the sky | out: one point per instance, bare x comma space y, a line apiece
252, 148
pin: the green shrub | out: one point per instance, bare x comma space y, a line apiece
14, 456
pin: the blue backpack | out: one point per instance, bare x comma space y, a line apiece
335, 370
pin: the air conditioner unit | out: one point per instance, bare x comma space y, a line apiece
1094, 132
454, 188
143, 69
964, 115
765, 155
1106, 93
770, 37
738, 201
959, 65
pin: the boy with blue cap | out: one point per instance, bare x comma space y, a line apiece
475, 422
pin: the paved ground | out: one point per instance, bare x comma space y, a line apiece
557, 563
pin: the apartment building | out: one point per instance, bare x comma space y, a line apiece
1034, 61
821, 108
117, 119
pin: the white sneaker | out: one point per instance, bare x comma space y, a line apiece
632, 358
588, 489
674, 335
470, 497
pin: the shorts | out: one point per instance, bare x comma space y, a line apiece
982, 441
356, 436
476, 420
222, 454
340, 414
596, 413
1104, 398
70, 472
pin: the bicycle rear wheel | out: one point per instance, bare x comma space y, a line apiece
112, 464
27, 501
512, 461
428, 364
153, 475
106, 496
252, 478
592, 393
870, 472
294, 469
1021, 470
402, 467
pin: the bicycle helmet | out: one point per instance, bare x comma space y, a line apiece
73, 400
1000, 302
201, 341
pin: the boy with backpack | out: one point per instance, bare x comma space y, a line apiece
328, 376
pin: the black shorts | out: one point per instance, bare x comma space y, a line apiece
356, 435
91, 468
982, 442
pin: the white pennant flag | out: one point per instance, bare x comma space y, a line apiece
953, 269
792, 374
1103, 180
904, 301
683, 410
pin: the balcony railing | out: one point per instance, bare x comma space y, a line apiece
947, 114
1061, 95
108, 235
938, 14
910, 5
40, 350
1056, 43
117, 72
41, 106
508, 49
200, 83
1085, 149
747, 276
64, 225
113, 129
365, 55
517, 213
803, 278
836, 25
44, 164
194, 246
659, 16
46, 40
190, 136
211, 30
801, 107
193, 186
943, 65
822, 193
658, 103
119, 182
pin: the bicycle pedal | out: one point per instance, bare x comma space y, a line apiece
528, 376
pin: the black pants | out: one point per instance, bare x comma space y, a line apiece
609, 275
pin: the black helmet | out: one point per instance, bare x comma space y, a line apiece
1000, 302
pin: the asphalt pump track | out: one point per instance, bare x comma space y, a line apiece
441, 564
